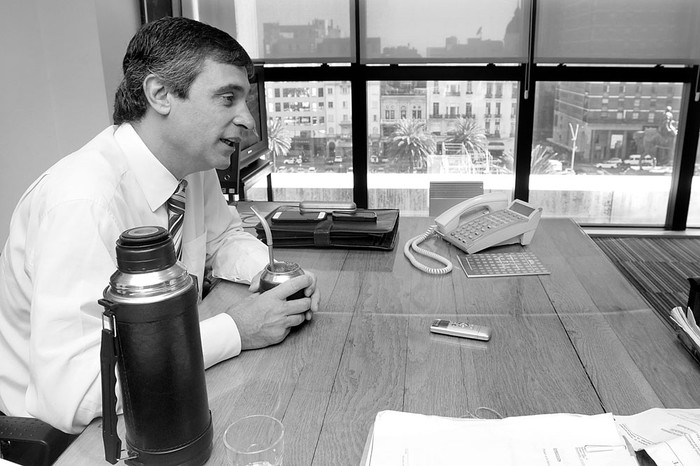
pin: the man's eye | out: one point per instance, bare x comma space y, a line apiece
229, 98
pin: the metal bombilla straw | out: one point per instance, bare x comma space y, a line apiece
268, 238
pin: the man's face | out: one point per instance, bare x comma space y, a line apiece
214, 115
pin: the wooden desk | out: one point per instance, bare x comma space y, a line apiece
580, 340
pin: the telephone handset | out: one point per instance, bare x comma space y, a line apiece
476, 224
488, 220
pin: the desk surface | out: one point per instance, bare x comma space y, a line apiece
580, 340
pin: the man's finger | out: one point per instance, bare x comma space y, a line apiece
312, 287
297, 306
290, 287
296, 319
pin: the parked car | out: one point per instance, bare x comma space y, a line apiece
633, 161
648, 162
338, 159
292, 161
614, 162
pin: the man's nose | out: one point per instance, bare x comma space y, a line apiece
245, 119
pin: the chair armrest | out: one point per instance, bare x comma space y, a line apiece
29, 441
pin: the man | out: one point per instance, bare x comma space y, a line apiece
178, 111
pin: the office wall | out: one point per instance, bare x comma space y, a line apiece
61, 63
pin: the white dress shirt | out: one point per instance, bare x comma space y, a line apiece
61, 252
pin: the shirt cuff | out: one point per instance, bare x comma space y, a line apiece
220, 339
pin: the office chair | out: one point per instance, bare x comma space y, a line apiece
446, 194
31, 442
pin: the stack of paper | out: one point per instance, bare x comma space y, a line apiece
671, 437
405, 439
686, 322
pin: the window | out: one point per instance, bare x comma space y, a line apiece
316, 31
457, 31
619, 66
440, 147
618, 31
624, 166
304, 146
694, 209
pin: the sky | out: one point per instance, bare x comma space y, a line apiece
401, 22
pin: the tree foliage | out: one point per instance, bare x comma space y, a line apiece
411, 144
469, 133
279, 139
540, 160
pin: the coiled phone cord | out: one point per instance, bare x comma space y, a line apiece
413, 243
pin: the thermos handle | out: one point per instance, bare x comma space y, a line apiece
108, 363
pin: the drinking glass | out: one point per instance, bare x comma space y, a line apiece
256, 440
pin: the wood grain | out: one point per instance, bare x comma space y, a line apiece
579, 340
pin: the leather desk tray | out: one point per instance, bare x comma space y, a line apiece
335, 234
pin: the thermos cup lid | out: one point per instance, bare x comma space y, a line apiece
145, 249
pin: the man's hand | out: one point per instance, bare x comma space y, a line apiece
267, 318
310, 292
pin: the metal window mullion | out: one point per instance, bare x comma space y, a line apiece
684, 166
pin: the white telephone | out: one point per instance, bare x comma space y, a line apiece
476, 224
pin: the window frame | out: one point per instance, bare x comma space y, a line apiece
527, 75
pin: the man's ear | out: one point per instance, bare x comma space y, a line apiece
157, 94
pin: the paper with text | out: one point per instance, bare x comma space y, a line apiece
686, 321
405, 439
671, 437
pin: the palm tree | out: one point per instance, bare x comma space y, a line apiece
410, 144
278, 138
469, 133
539, 161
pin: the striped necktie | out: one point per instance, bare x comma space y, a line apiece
176, 214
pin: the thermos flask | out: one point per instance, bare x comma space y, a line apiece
151, 333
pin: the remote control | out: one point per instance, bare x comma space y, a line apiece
461, 329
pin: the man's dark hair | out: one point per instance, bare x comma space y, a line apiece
174, 49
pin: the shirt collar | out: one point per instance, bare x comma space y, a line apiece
157, 183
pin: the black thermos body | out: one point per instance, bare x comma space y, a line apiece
151, 333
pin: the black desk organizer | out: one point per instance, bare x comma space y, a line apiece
694, 305
329, 233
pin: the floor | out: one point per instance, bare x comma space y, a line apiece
658, 266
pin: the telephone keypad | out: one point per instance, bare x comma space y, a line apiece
471, 230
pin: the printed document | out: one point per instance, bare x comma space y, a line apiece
686, 321
405, 439
671, 437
